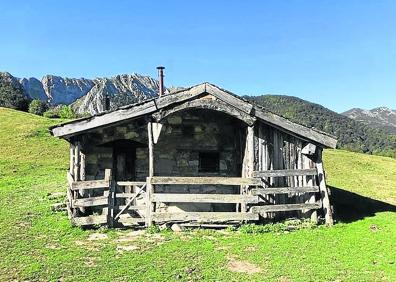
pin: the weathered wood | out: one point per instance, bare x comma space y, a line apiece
248, 162
150, 149
71, 168
285, 190
202, 198
130, 183
89, 220
215, 105
91, 202
324, 193
76, 167
149, 204
70, 179
90, 184
204, 216
205, 180
82, 166
285, 172
130, 201
285, 207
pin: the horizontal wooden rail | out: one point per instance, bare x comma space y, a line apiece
90, 184
205, 180
285, 207
130, 183
204, 216
203, 198
285, 172
91, 202
284, 190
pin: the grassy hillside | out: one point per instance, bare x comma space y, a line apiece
351, 134
39, 245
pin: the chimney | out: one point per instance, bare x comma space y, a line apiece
161, 80
106, 104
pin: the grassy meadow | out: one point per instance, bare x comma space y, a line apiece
37, 244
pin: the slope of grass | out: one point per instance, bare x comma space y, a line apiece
39, 245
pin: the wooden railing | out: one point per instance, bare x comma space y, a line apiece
131, 203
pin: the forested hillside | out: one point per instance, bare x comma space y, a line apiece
352, 135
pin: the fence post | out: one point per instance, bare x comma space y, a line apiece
111, 202
149, 204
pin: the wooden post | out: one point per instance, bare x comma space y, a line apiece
76, 172
111, 201
150, 188
71, 167
324, 193
248, 162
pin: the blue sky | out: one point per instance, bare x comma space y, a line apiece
341, 54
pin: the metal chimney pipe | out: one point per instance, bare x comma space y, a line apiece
161, 80
106, 102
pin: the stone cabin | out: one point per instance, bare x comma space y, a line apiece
200, 155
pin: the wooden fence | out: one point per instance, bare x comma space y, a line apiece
132, 203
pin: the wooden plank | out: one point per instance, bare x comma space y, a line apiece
89, 220
285, 207
324, 193
91, 202
130, 183
202, 198
130, 201
70, 179
120, 207
285, 190
204, 216
285, 172
149, 204
90, 184
205, 180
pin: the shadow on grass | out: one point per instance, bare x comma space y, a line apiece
349, 207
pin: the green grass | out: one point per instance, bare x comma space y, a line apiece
39, 245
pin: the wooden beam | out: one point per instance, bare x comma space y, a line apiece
205, 180
285, 190
324, 193
285, 172
202, 198
204, 216
91, 202
90, 184
284, 207
130, 183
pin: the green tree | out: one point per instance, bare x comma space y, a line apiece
38, 107
12, 96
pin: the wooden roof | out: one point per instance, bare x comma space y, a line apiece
235, 106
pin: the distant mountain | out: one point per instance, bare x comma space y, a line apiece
381, 117
86, 95
351, 134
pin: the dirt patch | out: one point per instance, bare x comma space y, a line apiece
243, 267
97, 236
127, 248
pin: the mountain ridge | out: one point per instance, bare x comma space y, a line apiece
379, 117
85, 95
